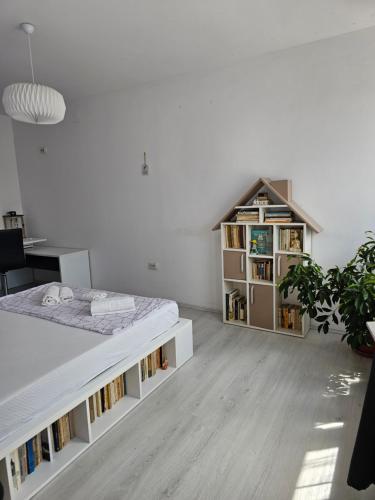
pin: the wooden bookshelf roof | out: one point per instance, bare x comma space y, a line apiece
283, 191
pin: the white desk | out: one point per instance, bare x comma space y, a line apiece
71, 264
29, 242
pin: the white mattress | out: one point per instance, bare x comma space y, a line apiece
41, 362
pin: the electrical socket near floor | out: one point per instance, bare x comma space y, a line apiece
154, 266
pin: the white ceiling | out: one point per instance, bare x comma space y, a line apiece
85, 47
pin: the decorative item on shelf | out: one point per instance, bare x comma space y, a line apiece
291, 240
164, 365
12, 220
295, 242
262, 199
253, 247
33, 102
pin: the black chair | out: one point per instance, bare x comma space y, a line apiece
12, 254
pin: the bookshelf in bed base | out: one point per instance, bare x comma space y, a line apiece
177, 348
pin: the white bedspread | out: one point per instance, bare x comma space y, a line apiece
42, 362
77, 312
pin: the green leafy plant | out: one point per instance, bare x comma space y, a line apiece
346, 293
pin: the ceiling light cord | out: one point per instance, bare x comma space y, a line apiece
31, 57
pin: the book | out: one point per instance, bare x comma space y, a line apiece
22, 456
38, 449
30, 456
46, 455
15, 468
98, 404
103, 399
91, 408
55, 435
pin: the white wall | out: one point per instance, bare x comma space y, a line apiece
307, 114
10, 197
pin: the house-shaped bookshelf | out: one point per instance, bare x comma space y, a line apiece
263, 234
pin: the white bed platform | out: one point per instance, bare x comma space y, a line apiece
177, 343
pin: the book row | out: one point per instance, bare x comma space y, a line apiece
25, 459
104, 399
278, 217
235, 236
262, 270
247, 216
289, 317
63, 431
291, 240
152, 362
235, 306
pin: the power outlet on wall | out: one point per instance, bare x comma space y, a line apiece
154, 266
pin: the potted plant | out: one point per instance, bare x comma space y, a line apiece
346, 294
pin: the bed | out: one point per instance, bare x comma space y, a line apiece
47, 368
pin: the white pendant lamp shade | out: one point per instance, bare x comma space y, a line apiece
34, 103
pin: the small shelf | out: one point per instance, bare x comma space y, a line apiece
234, 281
238, 322
47, 470
112, 416
285, 252
260, 206
261, 282
234, 249
301, 224
150, 384
288, 331
260, 256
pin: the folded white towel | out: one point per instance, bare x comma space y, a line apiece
112, 305
66, 294
51, 296
94, 295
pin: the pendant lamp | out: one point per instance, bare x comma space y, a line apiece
33, 102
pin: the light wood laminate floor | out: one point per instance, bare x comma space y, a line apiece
252, 416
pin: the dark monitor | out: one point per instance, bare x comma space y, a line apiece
12, 254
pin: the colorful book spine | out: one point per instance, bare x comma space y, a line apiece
30, 456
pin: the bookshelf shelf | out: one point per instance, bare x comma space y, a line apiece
284, 252
175, 345
259, 256
48, 470
282, 229
289, 331
235, 249
108, 419
152, 383
237, 322
243, 207
261, 282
